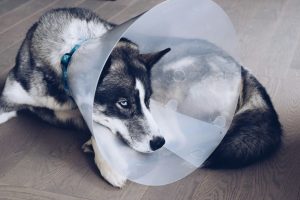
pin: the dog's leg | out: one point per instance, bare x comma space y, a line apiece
5, 116
12, 99
7, 110
108, 173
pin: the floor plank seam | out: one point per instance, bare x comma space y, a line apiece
16, 8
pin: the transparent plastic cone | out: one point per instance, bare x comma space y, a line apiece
195, 87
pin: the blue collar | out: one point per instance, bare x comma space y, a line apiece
65, 61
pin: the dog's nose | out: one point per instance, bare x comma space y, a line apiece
157, 142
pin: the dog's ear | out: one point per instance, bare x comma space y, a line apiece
151, 59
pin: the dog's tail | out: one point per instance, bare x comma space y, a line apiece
255, 132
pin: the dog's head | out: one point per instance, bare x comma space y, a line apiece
123, 96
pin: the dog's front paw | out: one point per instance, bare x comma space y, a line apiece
113, 177
107, 172
87, 147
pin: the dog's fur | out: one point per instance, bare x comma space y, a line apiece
123, 93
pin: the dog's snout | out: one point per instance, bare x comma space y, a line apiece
157, 142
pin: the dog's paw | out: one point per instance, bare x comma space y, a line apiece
87, 147
4, 117
107, 172
111, 176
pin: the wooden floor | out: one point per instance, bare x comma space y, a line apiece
41, 162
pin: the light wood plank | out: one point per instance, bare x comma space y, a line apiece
91, 4
21, 13
137, 8
112, 8
17, 193
8, 5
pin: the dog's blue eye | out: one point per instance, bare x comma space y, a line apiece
123, 103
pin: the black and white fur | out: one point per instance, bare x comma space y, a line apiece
123, 93
255, 132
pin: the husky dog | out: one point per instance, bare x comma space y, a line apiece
123, 93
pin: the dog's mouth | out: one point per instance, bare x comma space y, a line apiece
125, 141
128, 143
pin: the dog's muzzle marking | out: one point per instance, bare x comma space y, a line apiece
65, 60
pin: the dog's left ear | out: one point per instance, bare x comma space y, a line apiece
151, 59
